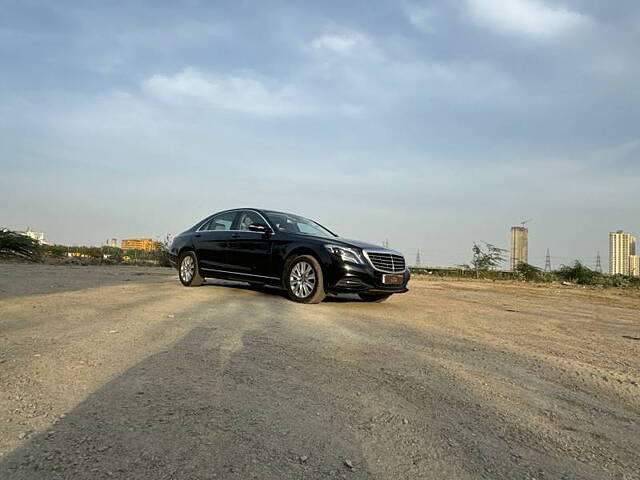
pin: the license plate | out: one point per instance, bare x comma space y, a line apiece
392, 279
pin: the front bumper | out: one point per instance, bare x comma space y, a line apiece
345, 277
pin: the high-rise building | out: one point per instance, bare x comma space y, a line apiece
114, 242
622, 245
140, 244
519, 246
634, 265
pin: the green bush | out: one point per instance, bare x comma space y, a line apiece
578, 273
529, 273
14, 244
623, 281
574, 273
163, 252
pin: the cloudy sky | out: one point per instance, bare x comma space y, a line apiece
431, 123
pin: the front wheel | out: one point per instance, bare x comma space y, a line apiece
303, 280
188, 270
374, 297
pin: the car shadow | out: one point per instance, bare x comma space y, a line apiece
28, 279
198, 410
275, 291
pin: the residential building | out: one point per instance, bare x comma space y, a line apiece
634, 265
622, 245
519, 246
37, 236
146, 244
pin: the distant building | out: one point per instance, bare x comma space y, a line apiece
634, 265
622, 245
519, 246
37, 236
145, 244
114, 242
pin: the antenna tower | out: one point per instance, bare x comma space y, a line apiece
547, 262
418, 259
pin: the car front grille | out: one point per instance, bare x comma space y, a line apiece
386, 262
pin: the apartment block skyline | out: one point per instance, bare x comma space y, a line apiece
146, 244
622, 250
519, 246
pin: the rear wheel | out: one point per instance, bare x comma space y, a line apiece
374, 297
303, 280
188, 270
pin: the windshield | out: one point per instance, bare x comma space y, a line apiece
285, 222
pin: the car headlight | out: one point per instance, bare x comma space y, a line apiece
346, 254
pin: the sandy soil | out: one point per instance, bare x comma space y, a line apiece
123, 373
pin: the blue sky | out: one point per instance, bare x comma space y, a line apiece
431, 123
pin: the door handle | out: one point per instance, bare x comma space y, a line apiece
235, 235
197, 235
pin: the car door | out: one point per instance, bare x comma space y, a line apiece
211, 241
250, 252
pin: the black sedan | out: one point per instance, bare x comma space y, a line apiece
286, 250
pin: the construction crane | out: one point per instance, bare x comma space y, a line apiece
525, 222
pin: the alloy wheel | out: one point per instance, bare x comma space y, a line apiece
187, 269
302, 279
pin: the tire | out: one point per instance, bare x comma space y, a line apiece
374, 297
189, 276
303, 280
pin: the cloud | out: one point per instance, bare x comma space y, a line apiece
423, 18
370, 72
341, 43
243, 93
531, 18
457, 83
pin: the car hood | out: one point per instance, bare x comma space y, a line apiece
347, 242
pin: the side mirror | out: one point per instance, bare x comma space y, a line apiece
259, 227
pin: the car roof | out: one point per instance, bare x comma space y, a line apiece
260, 210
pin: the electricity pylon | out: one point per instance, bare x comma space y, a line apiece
547, 262
598, 264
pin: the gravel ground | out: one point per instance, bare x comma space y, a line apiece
120, 372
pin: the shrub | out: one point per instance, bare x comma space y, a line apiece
529, 273
163, 252
578, 273
18, 245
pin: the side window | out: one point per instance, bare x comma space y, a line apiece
247, 218
205, 226
221, 222
307, 229
279, 221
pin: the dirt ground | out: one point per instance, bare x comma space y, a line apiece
120, 372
